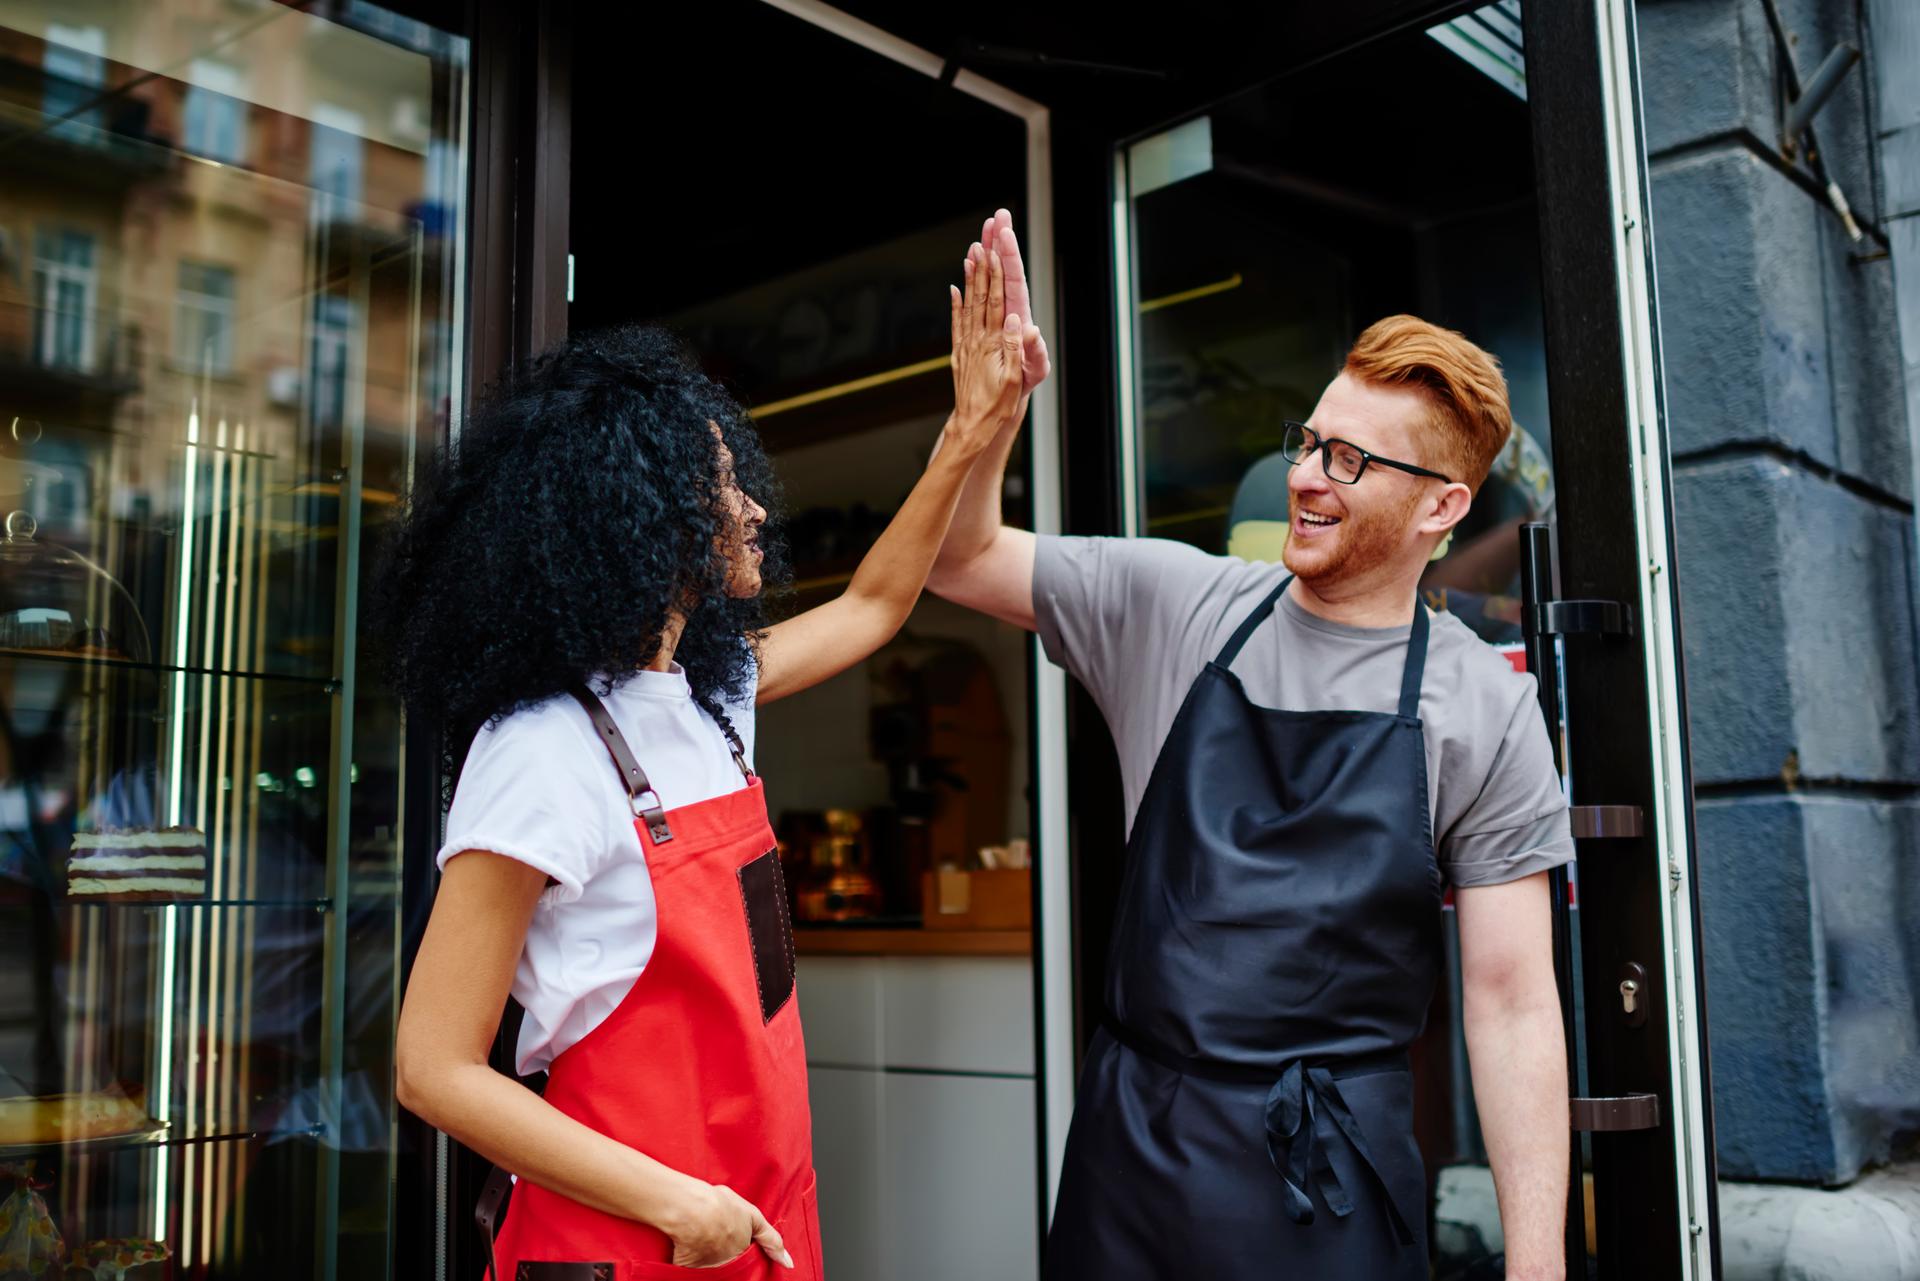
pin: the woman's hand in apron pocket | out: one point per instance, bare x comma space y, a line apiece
717, 1225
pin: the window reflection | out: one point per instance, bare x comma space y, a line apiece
227, 323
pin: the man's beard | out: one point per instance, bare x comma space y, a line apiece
1360, 544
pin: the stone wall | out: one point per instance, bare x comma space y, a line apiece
1793, 480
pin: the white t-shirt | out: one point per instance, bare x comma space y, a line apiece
540, 788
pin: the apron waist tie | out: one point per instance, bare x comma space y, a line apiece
1293, 1145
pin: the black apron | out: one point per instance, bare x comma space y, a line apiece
1247, 1111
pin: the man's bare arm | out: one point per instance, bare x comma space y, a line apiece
1517, 1049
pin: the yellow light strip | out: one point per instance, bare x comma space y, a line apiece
941, 362
1188, 295
848, 388
327, 489
193, 1160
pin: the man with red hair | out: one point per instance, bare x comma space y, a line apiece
1308, 758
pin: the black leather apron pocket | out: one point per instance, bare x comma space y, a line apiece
763, 888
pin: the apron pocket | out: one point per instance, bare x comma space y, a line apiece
752, 1262
807, 1225
769, 931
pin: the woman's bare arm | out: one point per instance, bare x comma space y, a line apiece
454, 1000
825, 641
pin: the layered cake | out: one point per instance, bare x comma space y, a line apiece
147, 864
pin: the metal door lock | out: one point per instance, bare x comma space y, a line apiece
1633, 993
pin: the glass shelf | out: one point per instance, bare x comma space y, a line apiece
160, 1135
326, 683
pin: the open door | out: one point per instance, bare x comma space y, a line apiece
1255, 233
1625, 694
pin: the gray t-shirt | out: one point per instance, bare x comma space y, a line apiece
1136, 619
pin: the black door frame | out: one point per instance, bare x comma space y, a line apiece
518, 191
1610, 729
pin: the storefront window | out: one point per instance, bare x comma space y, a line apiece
231, 324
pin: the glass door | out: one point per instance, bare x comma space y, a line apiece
230, 321
1255, 241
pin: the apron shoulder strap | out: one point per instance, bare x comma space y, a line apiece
1410, 677
632, 777
1231, 650
1416, 667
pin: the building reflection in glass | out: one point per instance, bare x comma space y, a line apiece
228, 319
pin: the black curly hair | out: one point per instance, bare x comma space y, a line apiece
581, 504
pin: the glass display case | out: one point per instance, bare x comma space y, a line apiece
229, 317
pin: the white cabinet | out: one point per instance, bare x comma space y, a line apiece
924, 1116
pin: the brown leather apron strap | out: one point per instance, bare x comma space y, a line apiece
632, 777
486, 1213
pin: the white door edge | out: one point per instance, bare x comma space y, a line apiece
1055, 919
1672, 816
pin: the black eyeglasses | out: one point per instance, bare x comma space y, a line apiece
1344, 461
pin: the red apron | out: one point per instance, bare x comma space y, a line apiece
701, 1067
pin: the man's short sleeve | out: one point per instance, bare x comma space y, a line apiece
1518, 824
1079, 595
1127, 616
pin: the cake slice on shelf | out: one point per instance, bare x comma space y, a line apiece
165, 864
70, 1118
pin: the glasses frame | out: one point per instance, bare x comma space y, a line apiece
1324, 446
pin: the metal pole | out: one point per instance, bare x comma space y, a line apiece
1819, 89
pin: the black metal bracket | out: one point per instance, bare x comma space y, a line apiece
1625, 1112
1577, 618
1599, 822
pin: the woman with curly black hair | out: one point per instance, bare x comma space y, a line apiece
574, 597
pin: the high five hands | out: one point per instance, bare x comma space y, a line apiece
996, 235
989, 342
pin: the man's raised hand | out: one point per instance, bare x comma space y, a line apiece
997, 233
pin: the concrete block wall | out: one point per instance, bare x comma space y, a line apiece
1794, 484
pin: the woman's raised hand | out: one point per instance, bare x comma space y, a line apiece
988, 342
997, 232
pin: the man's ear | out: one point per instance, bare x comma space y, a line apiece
1449, 508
